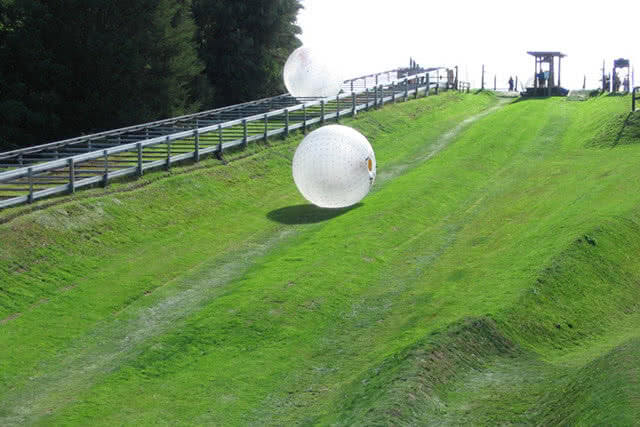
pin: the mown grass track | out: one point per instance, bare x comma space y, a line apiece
218, 297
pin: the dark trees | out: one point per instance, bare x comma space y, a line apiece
72, 66
69, 67
245, 44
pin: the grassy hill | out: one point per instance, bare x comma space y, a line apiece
490, 277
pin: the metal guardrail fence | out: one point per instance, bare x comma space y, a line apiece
63, 167
635, 96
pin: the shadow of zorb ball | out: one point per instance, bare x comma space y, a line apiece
334, 167
311, 73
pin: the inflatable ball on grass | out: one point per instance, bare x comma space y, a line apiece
334, 167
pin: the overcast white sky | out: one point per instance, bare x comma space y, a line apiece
369, 35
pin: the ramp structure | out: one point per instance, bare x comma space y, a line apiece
545, 82
41, 171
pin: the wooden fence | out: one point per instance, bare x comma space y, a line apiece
101, 163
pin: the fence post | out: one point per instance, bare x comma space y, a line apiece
322, 111
30, 175
105, 180
367, 92
168, 165
139, 145
393, 92
266, 123
196, 143
337, 108
482, 84
286, 122
245, 134
633, 99
494, 82
428, 86
406, 89
219, 151
353, 104
304, 118
375, 97
415, 95
72, 176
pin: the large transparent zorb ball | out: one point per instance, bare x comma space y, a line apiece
312, 73
334, 167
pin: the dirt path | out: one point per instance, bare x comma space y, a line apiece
440, 144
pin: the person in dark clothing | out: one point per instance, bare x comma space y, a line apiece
510, 84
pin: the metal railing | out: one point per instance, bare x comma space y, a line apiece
464, 87
635, 96
63, 167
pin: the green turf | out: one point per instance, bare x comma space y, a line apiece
489, 278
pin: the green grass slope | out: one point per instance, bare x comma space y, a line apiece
490, 277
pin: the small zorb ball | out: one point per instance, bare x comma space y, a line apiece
334, 167
311, 73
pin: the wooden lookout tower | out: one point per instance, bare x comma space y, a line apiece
545, 82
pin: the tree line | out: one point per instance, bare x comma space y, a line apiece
69, 67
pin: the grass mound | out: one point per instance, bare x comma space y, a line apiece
619, 129
491, 270
604, 392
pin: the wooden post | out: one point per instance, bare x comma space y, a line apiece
375, 98
516, 83
245, 134
168, 165
322, 111
353, 104
482, 84
266, 123
426, 93
139, 146
559, 71
72, 176
105, 179
367, 92
337, 108
286, 122
304, 118
455, 83
30, 175
406, 88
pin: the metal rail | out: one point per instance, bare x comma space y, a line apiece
64, 166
